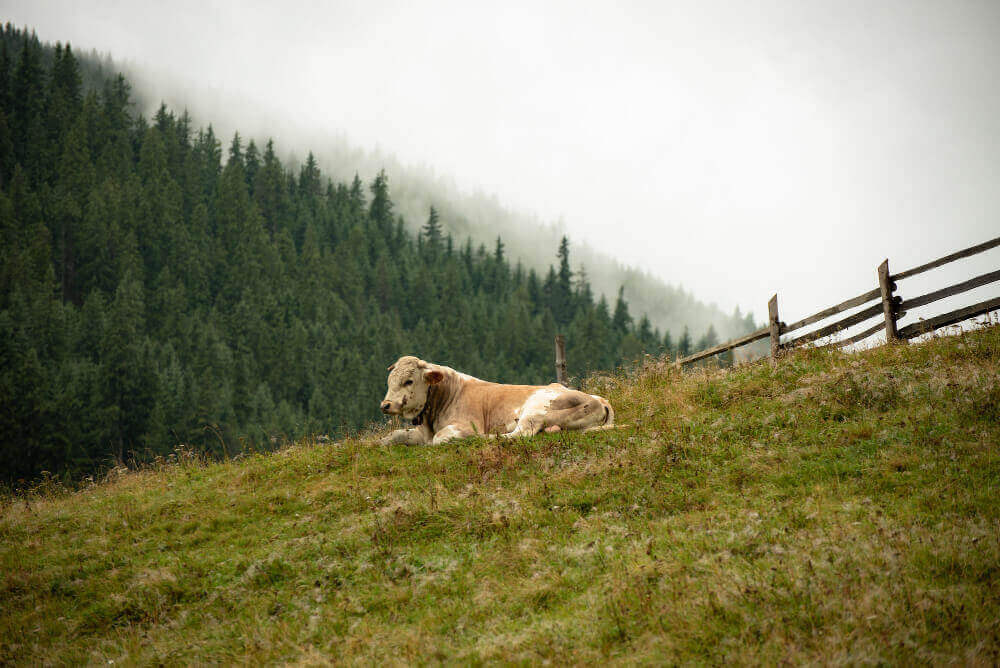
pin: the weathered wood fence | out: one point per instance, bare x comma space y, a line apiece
889, 305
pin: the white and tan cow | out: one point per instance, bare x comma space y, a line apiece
444, 404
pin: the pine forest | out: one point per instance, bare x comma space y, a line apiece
160, 285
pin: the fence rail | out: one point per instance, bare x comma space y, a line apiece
926, 326
890, 306
968, 252
834, 310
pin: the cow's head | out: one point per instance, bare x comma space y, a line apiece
409, 379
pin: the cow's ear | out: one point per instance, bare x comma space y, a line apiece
392, 366
433, 377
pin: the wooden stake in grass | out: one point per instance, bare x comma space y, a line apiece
774, 325
886, 285
561, 360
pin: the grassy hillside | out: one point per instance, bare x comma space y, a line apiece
834, 508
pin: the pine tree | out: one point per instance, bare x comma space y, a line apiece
684, 344
309, 178
380, 210
269, 193
62, 103
668, 344
622, 321
27, 99
252, 165
565, 275
117, 104
128, 387
708, 339
73, 188
564, 306
110, 140
7, 157
584, 294
550, 293
236, 151
535, 293
644, 332
5, 79
208, 152
432, 232
356, 201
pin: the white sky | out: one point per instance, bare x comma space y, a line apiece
741, 148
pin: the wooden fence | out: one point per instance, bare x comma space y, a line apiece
890, 306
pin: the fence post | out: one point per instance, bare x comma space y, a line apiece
561, 360
774, 325
886, 285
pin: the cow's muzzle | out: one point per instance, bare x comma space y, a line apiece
386, 406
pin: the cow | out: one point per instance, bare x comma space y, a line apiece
444, 404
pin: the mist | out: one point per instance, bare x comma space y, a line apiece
738, 149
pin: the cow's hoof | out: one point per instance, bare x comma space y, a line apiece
555, 427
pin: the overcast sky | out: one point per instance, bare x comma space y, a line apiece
741, 148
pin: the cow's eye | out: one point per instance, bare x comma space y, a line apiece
409, 382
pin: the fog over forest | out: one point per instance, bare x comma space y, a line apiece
736, 150
465, 213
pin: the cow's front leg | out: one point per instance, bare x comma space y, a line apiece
450, 432
413, 436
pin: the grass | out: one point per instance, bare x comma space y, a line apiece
834, 508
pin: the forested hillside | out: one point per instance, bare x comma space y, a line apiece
156, 289
413, 188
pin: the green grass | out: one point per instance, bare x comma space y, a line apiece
834, 508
